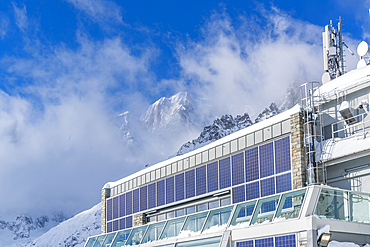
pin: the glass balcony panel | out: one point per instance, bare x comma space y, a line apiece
161, 217
290, 205
172, 228
194, 223
180, 212
208, 242
265, 210
333, 204
217, 219
108, 240
171, 215
360, 207
214, 204
225, 201
90, 242
121, 238
136, 236
243, 213
99, 241
153, 232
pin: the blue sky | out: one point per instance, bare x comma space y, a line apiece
68, 67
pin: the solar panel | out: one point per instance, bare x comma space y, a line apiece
282, 154
151, 196
129, 203
179, 180
225, 174
283, 183
268, 186
201, 180
129, 222
109, 209
136, 200
238, 168
251, 164
253, 190
122, 224
143, 198
115, 225
109, 227
212, 176
245, 244
122, 205
265, 242
239, 194
266, 159
190, 183
285, 241
170, 189
160, 193
115, 207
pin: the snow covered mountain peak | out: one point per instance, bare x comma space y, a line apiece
171, 114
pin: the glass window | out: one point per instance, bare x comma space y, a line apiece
90, 242
99, 241
180, 212
152, 219
214, 204
218, 219
208, 242
225, 201
136, 235
153, 232
171, 215
194, 223
265, 210
201, 207
121, 238
172, 228
333, 204
290, 205
108, 240
360, 207
243, 213
190, 210
161, 217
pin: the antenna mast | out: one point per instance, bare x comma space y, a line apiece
333, 50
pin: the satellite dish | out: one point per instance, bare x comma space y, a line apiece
325, 78
362, 63
362, 49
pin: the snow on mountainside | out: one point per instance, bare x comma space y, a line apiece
73, 232
25, 228
219, 128
227, 125
171, 114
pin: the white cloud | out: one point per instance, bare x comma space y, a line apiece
99, 10
244, 66
4, 25
20, 17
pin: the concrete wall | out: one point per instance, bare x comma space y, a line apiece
298, 151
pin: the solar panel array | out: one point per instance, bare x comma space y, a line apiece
280, 241
257, 172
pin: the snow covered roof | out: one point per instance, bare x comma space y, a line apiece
349, 80
258, 126
333, 150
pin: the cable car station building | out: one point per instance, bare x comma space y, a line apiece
275, 183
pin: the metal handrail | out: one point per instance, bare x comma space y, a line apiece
360, 125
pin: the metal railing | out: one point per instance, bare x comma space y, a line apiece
342, 130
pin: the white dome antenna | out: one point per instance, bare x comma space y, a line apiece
362, 49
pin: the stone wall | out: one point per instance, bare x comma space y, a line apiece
139, 220
298, 151
104, 196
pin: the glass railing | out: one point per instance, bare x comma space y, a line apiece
343, 205
285, 206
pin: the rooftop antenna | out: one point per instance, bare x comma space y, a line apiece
334, 62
